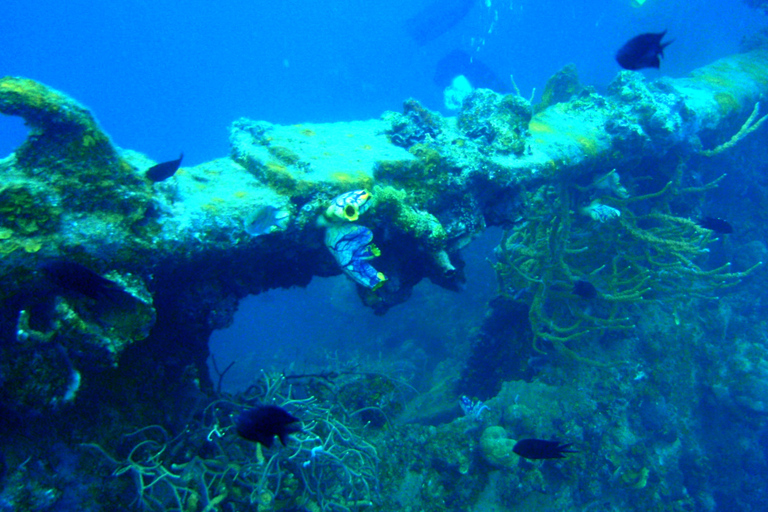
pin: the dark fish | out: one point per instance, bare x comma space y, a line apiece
459, 62
77, 278
164, 170
539, 449
642, 51
263, 423
436, 19
716, 225
584, 289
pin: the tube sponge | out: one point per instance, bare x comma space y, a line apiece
347, 207
351, 246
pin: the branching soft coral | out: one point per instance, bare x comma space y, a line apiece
631, 258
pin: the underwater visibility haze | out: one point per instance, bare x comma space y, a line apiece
463, 255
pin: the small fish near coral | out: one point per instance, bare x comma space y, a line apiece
77, 278
584, 289
261, 424
536, 449
642, 51
164, 170
717, 225
267, 219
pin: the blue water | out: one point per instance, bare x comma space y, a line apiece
164, 77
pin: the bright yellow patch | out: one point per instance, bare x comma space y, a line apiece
537, 126
240, 194
587, 144
358, 179
275, 167
8, 247
756, 69
31, 245
342, 177
727, 103
31, 92
715, 80
88, 141
125, 166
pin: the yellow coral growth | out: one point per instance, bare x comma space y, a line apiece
23, 92
727, 103
40, 105
32, 245
631, 260
716, 80
357, 180
587, 144
537, 126
421, 225
749, 126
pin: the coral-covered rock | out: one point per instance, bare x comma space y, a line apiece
496, 447
561, 87
497, 121
67, 145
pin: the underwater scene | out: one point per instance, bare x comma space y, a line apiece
422, 255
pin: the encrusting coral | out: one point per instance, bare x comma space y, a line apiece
65, 140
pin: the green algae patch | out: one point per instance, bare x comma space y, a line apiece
24, 212
394, 205
569, 135
66, 143
560, 87
727, 103
298, 159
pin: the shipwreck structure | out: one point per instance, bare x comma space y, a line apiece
112, 283
188, 248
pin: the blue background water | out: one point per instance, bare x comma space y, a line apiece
165, 76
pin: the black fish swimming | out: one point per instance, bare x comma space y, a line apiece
535, 449
436, 19
479, 74
263, 423
716, 225
584, 289
642, 51
164, 170
78, 278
